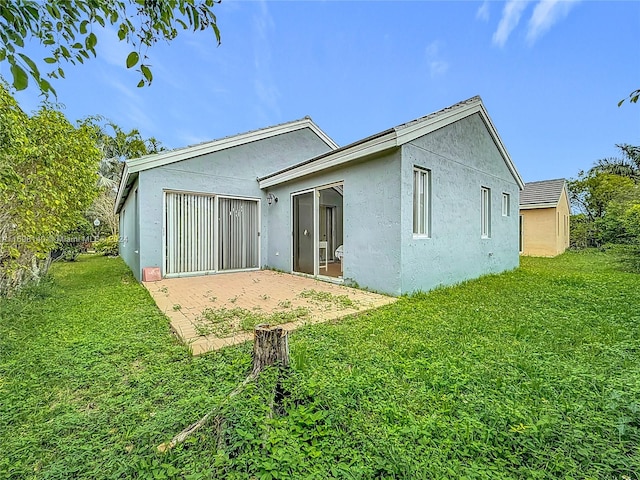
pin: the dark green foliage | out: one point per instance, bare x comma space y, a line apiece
108, 246
530, 374
606, 201
73, 242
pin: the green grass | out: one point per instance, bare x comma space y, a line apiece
530, 374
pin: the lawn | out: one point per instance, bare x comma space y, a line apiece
530, 374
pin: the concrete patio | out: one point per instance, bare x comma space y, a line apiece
191, 303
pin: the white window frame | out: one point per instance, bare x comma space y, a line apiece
485, 212
215, 239
506, 205
421, 203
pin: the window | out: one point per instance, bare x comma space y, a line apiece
506, 205
485, 212
421, 202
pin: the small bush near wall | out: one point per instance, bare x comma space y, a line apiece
108, 246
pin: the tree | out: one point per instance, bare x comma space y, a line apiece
115, 146
627, 166
66, 28
48, 181
592, 191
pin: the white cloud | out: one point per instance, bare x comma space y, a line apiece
110, 48
433, 49
130, 106
483, 11
546, 13
437, 66
510, 18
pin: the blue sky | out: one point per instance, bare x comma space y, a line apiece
549, 72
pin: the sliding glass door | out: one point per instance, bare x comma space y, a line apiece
317, 231
208, 233
303, 233
238, 234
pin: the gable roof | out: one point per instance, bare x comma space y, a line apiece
133, 166
393, 138
542, 194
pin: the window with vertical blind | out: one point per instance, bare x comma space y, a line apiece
208, 233
485, 212
421, 202
238, 234
190, 232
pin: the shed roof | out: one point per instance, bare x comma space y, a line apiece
393, 138
542, 194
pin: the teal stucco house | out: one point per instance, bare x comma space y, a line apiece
430, 202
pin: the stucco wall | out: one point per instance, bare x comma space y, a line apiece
371, 226
546, 230
462, 158
231, 172
562, 241
128, 245
539, 232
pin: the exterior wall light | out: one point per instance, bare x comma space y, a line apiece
271, 198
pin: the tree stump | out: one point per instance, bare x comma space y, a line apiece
270, 347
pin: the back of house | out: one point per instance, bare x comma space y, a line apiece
427, 203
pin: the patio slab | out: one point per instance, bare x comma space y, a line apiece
189, 301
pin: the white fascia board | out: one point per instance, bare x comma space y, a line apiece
153, 161
566, 194
323, 136
532, 206
375, 145
498, 141
443, 119
123, 184
409, 133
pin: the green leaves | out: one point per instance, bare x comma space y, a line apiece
146, 72
20, 78
132, 59
56, 165
91, 41
65, 29
633, 97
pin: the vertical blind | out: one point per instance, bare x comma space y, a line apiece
238, 234
190, 234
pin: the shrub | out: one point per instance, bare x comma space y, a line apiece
73, 242
108, 246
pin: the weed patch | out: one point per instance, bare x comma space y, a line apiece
223, 322
319, 297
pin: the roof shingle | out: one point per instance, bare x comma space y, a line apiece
545, 192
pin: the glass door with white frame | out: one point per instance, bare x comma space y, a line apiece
303, 233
